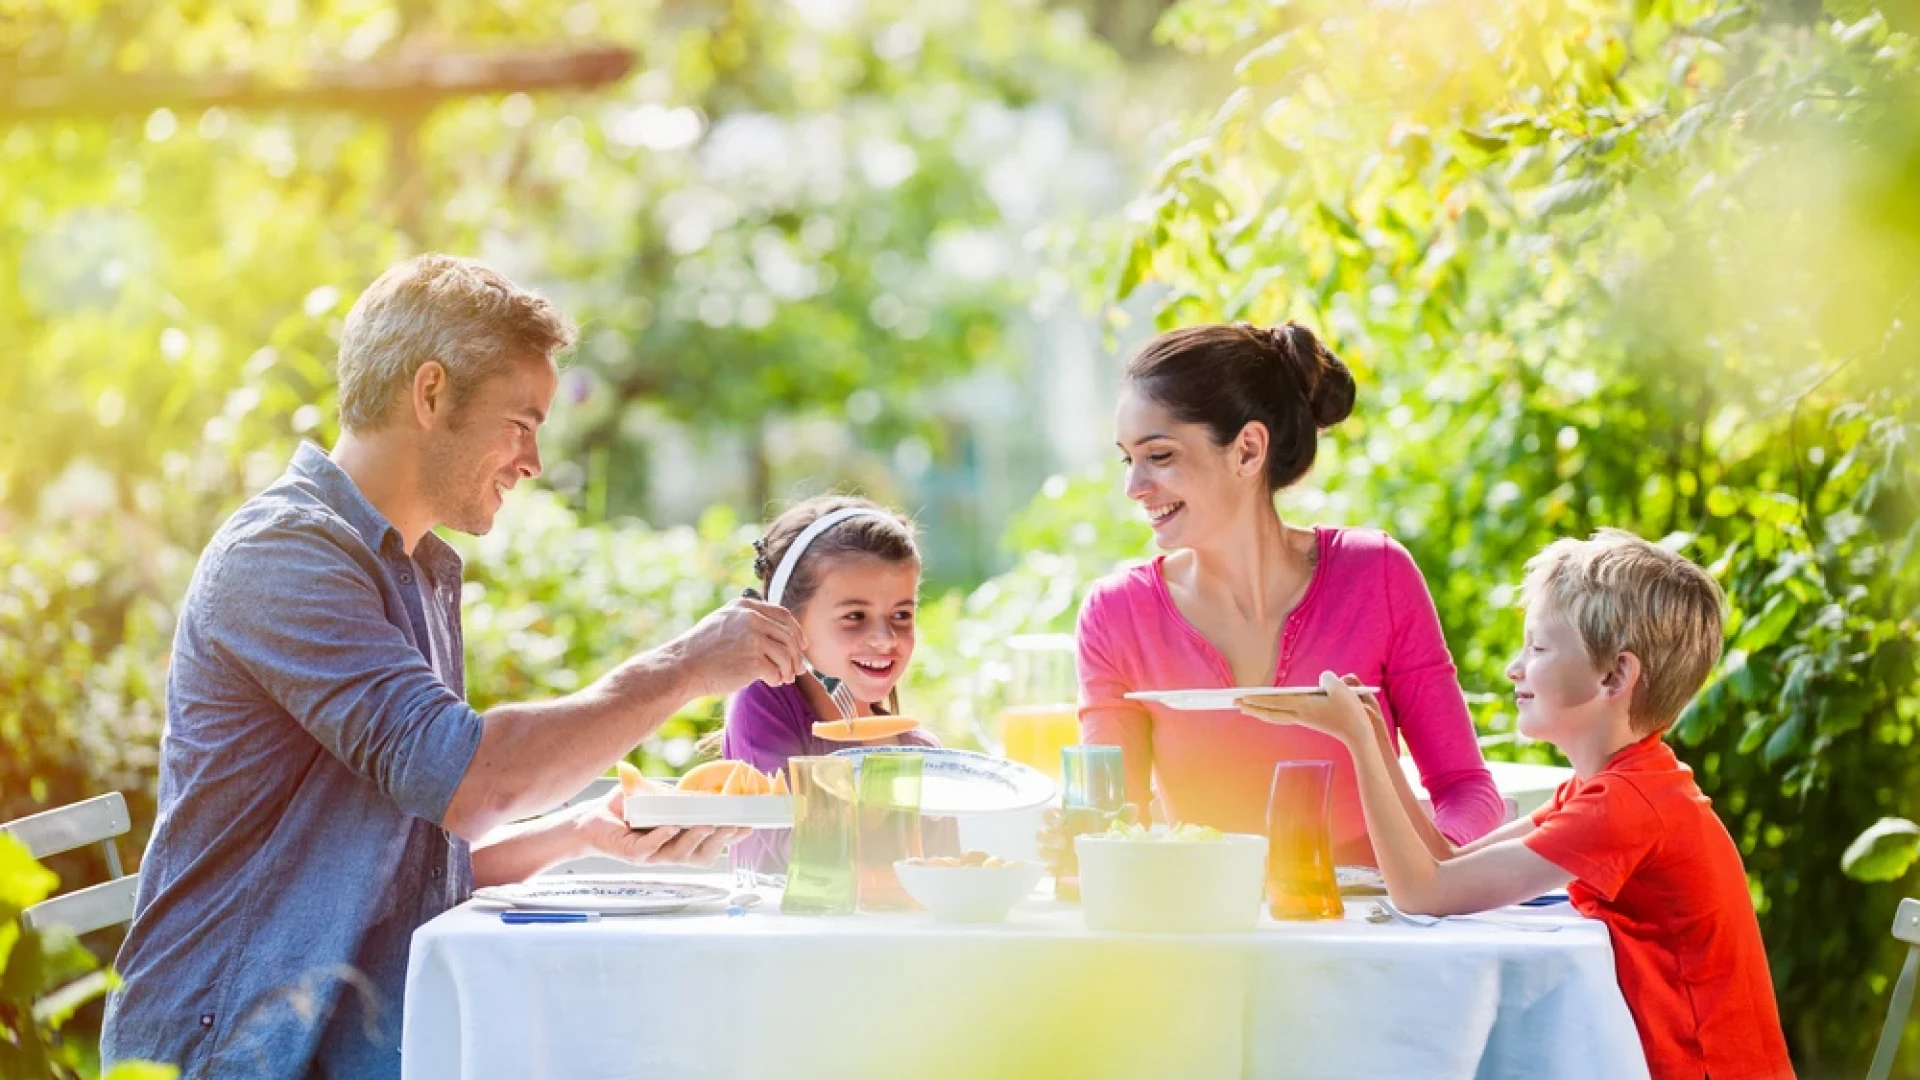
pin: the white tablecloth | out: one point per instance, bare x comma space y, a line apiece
766, 995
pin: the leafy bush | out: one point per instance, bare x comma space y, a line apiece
44, 978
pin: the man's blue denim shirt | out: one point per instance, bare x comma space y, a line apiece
316, 729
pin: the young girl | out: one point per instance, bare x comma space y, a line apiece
850, 573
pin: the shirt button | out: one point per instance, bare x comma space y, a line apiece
206, 1020
406, 579
436, 873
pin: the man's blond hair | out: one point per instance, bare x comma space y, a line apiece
459, 312
1623, 594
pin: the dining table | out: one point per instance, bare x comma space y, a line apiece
746, 991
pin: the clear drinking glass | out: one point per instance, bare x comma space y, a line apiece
1300, 878
1038, 715
820, 870
1093, 789
889, 814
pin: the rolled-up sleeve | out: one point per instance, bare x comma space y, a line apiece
291, 608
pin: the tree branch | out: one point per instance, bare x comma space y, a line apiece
400, 83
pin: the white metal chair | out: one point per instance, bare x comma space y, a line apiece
1906, 927
50, 832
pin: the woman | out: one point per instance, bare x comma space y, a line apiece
1212, 422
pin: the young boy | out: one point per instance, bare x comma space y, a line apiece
1620, 634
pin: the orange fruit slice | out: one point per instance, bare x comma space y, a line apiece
747, 780
632, 781
863, 728
709, 778
727, 777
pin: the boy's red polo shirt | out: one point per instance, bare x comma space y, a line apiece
1650, 859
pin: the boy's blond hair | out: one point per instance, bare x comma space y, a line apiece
1623, 594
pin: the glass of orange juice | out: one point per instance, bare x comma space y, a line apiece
1039, 715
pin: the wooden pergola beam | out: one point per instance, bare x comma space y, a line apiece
405, 84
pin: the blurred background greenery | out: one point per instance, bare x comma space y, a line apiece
1652, 264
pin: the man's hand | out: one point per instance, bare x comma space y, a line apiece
1338, 711
741, 642
604, 831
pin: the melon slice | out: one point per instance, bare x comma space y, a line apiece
746, 780
632, 781
863, 728
726, 777
710, 778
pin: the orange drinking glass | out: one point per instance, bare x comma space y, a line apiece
1300, 879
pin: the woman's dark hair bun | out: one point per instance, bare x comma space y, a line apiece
1321, 376
1226, 376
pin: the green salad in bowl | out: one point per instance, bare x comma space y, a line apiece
1185, 832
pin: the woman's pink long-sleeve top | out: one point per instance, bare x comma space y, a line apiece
1366, 612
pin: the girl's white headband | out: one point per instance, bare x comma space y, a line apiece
791, 558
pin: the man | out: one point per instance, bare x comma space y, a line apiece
322, 777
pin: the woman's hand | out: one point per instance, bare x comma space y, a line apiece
1338, 711
604, 830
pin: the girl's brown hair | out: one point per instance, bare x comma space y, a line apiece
888, 537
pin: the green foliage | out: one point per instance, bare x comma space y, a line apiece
83, 637
1884, 852
1597, 263
43, 979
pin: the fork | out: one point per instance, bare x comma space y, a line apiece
1384, 911
840, 693
837, 690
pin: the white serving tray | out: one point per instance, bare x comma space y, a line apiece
735, 811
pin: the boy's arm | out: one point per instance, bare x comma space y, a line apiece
1430, 835
1512, 830
1496, 871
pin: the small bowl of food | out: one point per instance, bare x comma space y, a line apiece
1190, 879
971, 888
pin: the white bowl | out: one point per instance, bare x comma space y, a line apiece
1171, 886
964, 894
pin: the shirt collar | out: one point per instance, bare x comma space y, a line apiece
1650, 752
338, 491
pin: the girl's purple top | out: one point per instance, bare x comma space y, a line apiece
766, 725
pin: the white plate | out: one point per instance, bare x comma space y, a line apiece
1226, 699
955, 782
613, 895
1360, 878
737, 811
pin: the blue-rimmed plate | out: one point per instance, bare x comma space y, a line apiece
955, 782
610, 895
